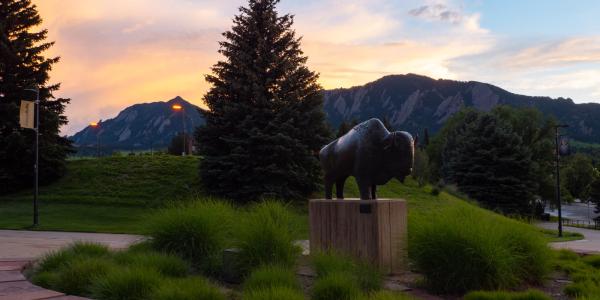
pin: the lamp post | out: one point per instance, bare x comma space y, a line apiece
557, 131
35, 165
178, 107
95, 125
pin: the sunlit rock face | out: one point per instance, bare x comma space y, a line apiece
413, 102
142, 126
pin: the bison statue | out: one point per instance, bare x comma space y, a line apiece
371, 154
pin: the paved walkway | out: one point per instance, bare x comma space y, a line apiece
20, 248
32, 244
589, 245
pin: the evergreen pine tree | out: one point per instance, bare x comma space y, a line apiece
425, 137
489, 162
265, 124
23, 66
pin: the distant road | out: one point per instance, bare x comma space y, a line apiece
575, 211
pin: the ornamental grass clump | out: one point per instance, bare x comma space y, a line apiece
165, 264
128, 283
336, 286
504, 295
269, 276
266, 237
78, 275
366, 276
274, 293
197, 232
56, 259
462, 248
196, 288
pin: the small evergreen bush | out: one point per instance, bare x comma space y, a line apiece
196, 288
266, 237
466, 248
128, 283
197, 232
266, 277
502, 295
274, 293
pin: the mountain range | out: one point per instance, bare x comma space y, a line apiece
410, 102
141, 126
413, 102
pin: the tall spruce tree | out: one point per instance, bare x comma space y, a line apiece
23, 66
265, 124
488, 161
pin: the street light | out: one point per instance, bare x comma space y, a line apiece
35, 166
95, 126
178, 107
557, 130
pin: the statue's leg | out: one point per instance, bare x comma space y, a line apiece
328, 189
364, 189
374, 192
339, 188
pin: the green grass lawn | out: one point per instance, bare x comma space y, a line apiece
116, 194
111, 194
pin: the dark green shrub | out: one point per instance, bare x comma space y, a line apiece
197, 232
465, 248
336, 286
366, 276
77, 276
196, 288
54, 260
271, 276
126, 283
165, 264
274, 293
266, 237
501, 295
435, 191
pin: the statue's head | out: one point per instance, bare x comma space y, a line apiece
399, 147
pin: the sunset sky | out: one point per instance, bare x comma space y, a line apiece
119, 52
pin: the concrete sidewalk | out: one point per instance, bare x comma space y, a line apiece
589, 245
20, 248
32, 244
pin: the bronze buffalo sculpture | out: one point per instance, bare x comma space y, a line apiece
371, 154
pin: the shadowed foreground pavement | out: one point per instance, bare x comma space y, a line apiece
589, 245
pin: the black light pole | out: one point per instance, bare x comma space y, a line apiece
36, 164
557, 130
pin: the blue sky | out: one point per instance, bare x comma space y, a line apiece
116, 53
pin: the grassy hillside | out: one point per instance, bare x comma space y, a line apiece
115, 194
111, 194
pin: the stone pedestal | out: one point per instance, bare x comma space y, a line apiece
371, 230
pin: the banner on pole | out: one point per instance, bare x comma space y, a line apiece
26, 116
563, 148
